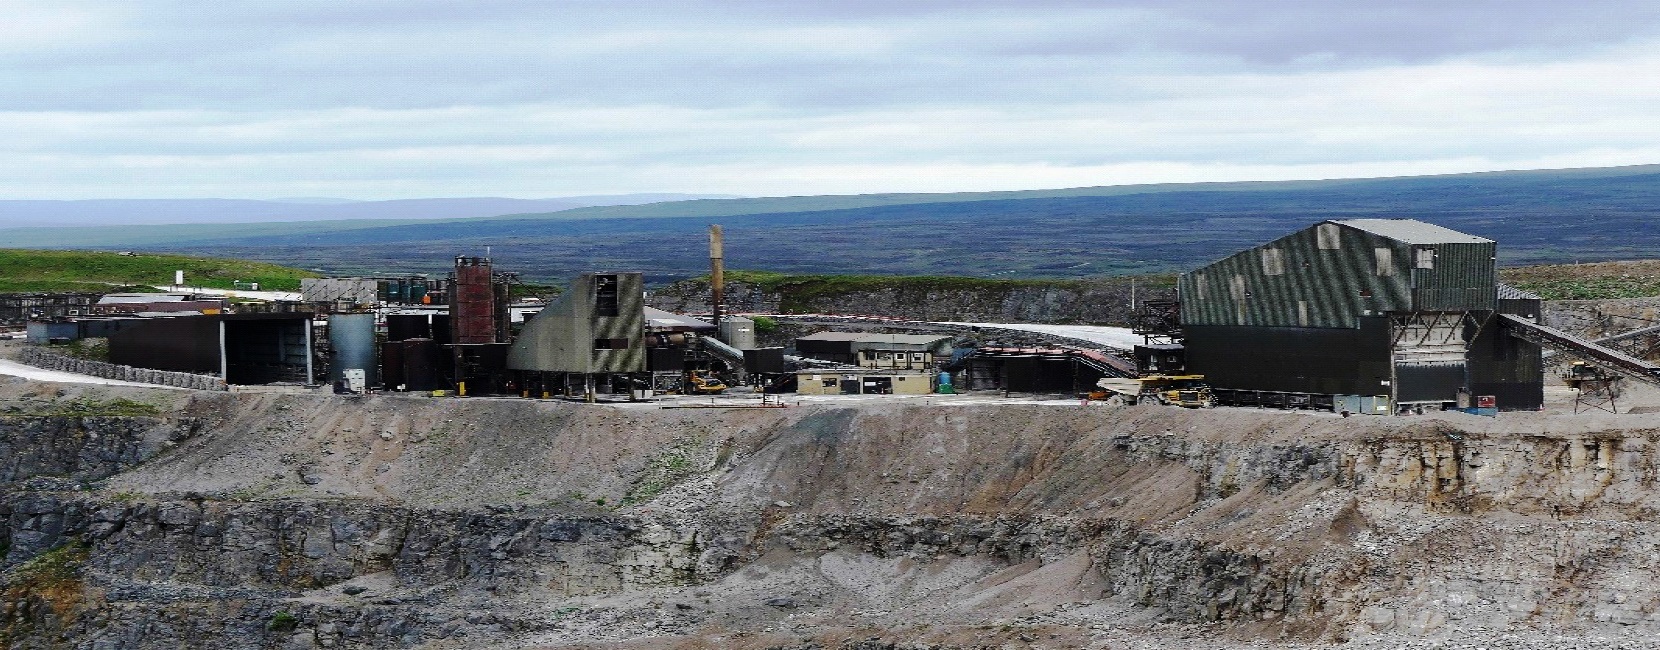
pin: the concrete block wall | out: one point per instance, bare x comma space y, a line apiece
42, 358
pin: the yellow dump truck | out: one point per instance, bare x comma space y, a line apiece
1188, 391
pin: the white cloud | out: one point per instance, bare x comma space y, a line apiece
421, 99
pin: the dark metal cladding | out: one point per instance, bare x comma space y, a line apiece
1464, 278
188, 344
1506, 367
1306, 360
391, 364
829, 346
764, 360
400, 327
259, 348
1349, 308
666, 359
1429, 381
424, 365
441, 329
1334, 272
266, 350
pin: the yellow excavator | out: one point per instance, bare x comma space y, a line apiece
1187, 391
707, 385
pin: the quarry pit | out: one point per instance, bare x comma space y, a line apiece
243, 520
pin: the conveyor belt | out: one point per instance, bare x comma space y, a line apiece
733, 357
1651, 330
1645, 331
1107, 365
1566, 343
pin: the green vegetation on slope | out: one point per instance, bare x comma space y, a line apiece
805, 293
102, 272
1596, 281
82, 407
811, 285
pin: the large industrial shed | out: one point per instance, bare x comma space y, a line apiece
240, 348
1392, 308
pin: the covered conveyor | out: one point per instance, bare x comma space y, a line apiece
1589, 351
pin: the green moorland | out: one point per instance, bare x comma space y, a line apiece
102, 271
1592, 281
802, 292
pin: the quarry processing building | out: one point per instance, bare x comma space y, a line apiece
1391, 313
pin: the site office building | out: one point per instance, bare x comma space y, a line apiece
1369, 307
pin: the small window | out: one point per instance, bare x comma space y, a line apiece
1330, 238
1426, 258
1238, 288
1386, 261
610, 344
605, 295
1273, 263
916, 356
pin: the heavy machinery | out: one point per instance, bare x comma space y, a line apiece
707, 385
1187, 391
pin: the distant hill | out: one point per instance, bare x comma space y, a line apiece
126, 212
99, 271
1536, 216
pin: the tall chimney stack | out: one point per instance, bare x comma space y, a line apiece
717, 274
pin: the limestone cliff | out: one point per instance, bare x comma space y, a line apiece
244, 521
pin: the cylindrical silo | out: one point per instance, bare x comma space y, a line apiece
352, 339
738, 332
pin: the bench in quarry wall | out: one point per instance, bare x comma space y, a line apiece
48, 360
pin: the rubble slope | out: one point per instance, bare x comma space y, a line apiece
261, 520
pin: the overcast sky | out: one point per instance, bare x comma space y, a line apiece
411, 98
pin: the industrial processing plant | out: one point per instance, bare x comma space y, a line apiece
1357, 316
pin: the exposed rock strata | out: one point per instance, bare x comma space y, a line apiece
815, 521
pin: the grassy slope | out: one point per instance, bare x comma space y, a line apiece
1593, 281
802, 292
1599, 280
31, 270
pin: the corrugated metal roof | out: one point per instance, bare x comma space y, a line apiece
1507, 292
133, 298
660, 318
904, 339
1413, 231
834, 336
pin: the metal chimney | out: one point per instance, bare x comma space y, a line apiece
717, 275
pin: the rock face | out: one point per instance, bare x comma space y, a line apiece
1088, 301
83, 448
1599, 318
553, 525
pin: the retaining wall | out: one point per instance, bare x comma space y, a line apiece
48, 360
